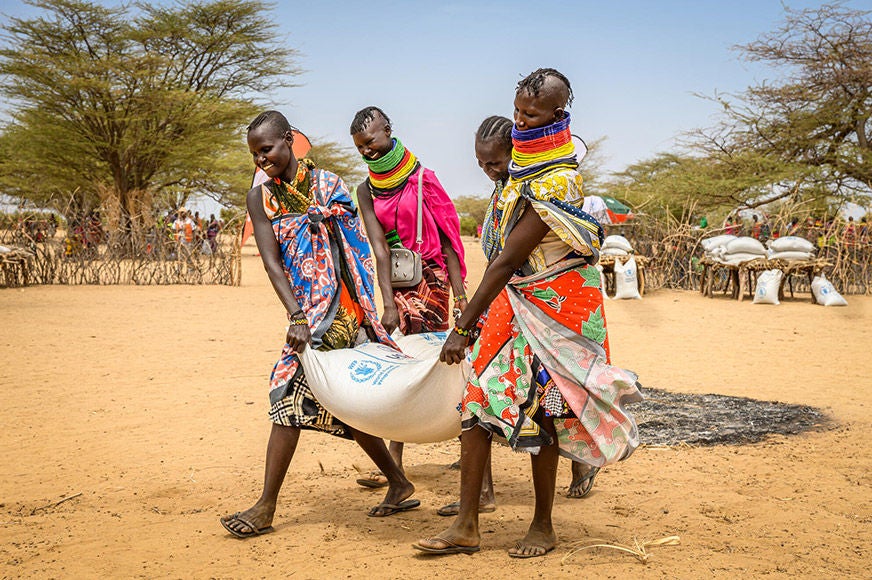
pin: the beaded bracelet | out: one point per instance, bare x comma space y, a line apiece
461, 331
459, 298
299, 322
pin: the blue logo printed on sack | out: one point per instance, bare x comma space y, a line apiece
363, 370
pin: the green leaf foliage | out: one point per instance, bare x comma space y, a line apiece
135, 105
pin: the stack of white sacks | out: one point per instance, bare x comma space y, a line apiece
616, 246
626, 273
791, 248
728, 249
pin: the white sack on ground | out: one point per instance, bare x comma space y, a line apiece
614, 252
790, 244
408, 396
626, 280
825, 293
767, 287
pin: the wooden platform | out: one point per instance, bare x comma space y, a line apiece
15, 268
742, 277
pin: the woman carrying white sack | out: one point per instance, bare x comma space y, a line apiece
541, 377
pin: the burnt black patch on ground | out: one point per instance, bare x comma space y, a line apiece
666, 418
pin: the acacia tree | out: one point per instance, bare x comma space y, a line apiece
813, 126
131, 103
804, 138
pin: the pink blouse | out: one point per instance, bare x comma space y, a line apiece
400, 212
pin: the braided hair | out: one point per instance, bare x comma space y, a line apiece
272, 119
495, 128
534, 81
363, 117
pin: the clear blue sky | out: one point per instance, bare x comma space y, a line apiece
439, 68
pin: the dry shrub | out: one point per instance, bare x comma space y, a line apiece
147, 255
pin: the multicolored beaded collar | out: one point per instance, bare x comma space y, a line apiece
393, 169
538, 151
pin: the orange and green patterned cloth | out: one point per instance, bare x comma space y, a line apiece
543, 352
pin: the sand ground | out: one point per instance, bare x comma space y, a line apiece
145, 408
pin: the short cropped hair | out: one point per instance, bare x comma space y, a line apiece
363, 117
534, 81
495, 127
272, 119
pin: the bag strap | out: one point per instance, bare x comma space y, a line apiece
418, 232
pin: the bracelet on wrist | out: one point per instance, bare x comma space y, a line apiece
459, 298
461, 331
299, 322
295, 314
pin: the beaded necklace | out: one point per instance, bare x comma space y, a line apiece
289, 197
391, 171
542, 150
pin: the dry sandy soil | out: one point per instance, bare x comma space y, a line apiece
133, 417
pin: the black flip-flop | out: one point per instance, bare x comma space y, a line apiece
253, 530
586, 483
389, 509
450, 548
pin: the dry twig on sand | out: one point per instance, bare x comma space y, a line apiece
55, 504
639, 550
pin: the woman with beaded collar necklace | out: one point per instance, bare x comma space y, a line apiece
541, 376
388, 205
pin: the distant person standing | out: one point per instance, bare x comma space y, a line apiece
212, 231
756, 228
185, 232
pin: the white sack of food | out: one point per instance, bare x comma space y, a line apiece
825, 293
614, 252
619, 242
745, 244
790, 244
767, 287
709, 244
734, 259
791, 256
716, 252
402, 396
626, 280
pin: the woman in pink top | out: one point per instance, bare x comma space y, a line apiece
388, 203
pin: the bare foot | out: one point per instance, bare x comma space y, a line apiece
582, 480
253, 521
534, 544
